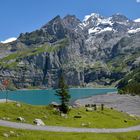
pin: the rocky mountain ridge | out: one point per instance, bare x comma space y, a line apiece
96, 51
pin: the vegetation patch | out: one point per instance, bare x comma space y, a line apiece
50, 116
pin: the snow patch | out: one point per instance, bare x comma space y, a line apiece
134, 31
106, 29
94, 30
9, 40
98, 30
94, 15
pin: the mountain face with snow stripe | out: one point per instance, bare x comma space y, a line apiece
95, 23
96, 51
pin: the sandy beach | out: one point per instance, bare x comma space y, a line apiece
125, 103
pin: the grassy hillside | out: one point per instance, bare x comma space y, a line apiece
12, 60
96, 119
130, 84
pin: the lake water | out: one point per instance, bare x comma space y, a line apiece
45, 97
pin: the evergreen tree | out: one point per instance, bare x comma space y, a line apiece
63, 94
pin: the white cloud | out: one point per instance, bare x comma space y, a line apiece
138, 1
137, 20
9, 40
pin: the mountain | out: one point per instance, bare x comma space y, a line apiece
96, 51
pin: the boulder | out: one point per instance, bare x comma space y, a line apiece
20, 119
5, 118
5, 135
86, 124
39, 122
77, 116
12, 132
18, 105
89, 109
83, 124
64, 115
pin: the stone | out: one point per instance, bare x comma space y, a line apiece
20, 119
89, 109
78, 113
18, 105
5, 135
86, 124
70, 107
77, 116
131, 115
39, 122
83, 124
54, 104
76, 105
3, 118
8, 119
125, 121
12, 132
64, 115
45, 117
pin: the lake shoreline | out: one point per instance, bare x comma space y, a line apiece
125, 103
45, 97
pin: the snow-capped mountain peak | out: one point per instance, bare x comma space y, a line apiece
95, 24
92, 15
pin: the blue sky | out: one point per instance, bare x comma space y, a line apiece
20, 16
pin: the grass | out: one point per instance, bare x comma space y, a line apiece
41, 135
97, 119
12, 60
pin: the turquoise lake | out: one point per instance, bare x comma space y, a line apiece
45, 97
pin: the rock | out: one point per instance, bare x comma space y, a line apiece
8, 119
5, 118
86, 124
83, 124
70, 107
12, 132
45, 117
131, 115
125, 121
54, 104
78, 113
18, 105
20, 119
39, 122
77, 105
89, 109
5, 135
89, 123
77, 116
64, 115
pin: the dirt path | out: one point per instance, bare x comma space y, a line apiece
66, 129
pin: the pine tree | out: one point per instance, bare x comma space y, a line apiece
63, 93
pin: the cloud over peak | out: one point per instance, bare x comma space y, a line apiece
9, 40
138, 1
